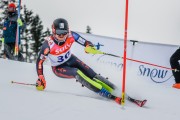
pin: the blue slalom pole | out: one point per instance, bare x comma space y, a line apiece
16, 51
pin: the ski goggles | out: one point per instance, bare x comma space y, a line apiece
62, 34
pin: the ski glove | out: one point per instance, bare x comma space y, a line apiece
2, 40
19, 21
41, 83
2, 46
92, 50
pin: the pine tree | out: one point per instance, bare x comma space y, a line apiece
88, 29
46, 33
36, 31
27, 37
33, 35
3, 12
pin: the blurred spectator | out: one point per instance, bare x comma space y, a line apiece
9, 32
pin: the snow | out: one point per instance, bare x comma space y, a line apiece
65, 99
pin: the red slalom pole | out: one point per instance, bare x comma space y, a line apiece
125, 51
21, 83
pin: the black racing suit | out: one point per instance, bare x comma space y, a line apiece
175, 65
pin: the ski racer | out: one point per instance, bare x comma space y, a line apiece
57, 47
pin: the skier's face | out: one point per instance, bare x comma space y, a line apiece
61, 37
11, 9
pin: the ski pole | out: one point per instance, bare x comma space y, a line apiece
140, 61
21, 83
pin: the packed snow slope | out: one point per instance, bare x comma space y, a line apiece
65, 99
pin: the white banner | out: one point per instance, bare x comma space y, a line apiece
156, 54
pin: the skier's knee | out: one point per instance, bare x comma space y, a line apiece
87, 82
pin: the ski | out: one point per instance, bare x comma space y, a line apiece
140, 103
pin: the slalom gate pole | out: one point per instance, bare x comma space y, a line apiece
16, 50
21, 83
142, 62
124, 58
